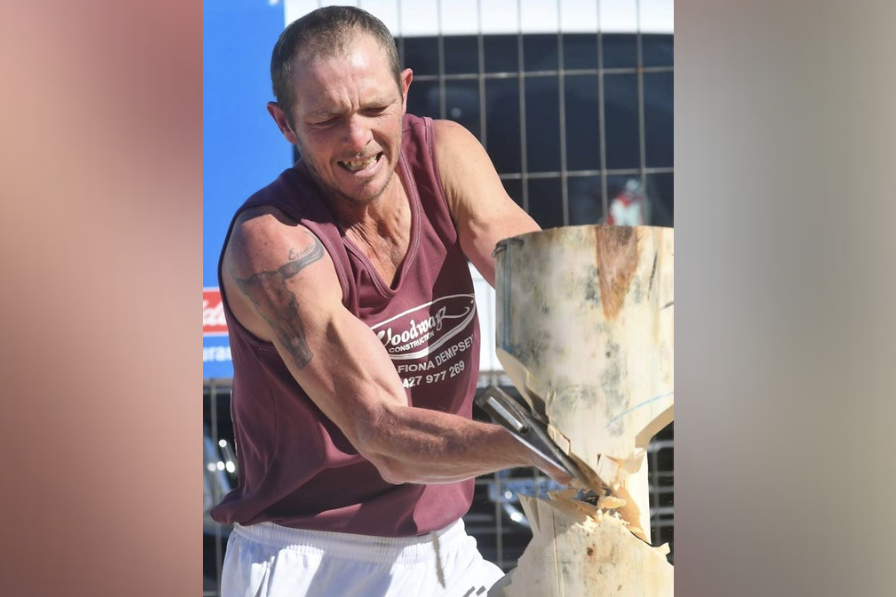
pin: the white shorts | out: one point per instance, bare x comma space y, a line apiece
268, 560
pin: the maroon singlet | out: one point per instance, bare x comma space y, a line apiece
295, 467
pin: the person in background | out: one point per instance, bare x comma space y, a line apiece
354, 334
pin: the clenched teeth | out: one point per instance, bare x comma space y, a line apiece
355, 166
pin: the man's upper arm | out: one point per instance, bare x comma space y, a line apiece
264, 260
482, 211
290, 295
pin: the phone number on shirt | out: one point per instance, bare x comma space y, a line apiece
416, 380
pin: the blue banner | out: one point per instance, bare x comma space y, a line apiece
242, 148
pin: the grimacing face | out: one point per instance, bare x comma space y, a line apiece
347, 121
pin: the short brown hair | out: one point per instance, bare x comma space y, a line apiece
324, 33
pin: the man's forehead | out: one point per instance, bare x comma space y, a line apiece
321, 81
352, 46
352, 61
330, 97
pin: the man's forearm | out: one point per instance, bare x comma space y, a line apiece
415, 445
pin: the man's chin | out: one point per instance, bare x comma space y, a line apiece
359, 197
362, 197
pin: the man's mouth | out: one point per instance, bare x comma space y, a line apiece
358, 165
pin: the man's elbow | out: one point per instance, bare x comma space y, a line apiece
392, 470
377, 443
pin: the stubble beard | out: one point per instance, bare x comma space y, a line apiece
334, 192
337, 193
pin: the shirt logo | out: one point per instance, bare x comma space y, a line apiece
422, 330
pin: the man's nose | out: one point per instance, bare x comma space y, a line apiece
357, 134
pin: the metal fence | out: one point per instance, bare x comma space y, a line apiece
569, 120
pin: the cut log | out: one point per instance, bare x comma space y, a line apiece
585, 331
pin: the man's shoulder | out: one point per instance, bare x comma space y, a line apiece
291, 197
435, 137
265, 239
268, 219
454, 147
264, 227
262, 218
420, 124
450, 133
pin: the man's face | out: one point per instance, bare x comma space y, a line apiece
347, 120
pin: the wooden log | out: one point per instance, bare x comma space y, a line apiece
585, 330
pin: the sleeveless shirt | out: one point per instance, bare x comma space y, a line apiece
294, 466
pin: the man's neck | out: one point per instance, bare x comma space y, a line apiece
382, 215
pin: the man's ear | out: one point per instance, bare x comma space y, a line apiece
407, 75
282, 121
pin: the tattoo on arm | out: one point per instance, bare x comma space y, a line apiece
278, 304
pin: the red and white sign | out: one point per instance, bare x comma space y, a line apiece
213, 322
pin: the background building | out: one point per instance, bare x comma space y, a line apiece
572, 99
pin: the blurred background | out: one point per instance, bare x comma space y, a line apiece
572, 99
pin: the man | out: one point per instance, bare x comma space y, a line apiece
354, 333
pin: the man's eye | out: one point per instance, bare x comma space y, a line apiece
376, 110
